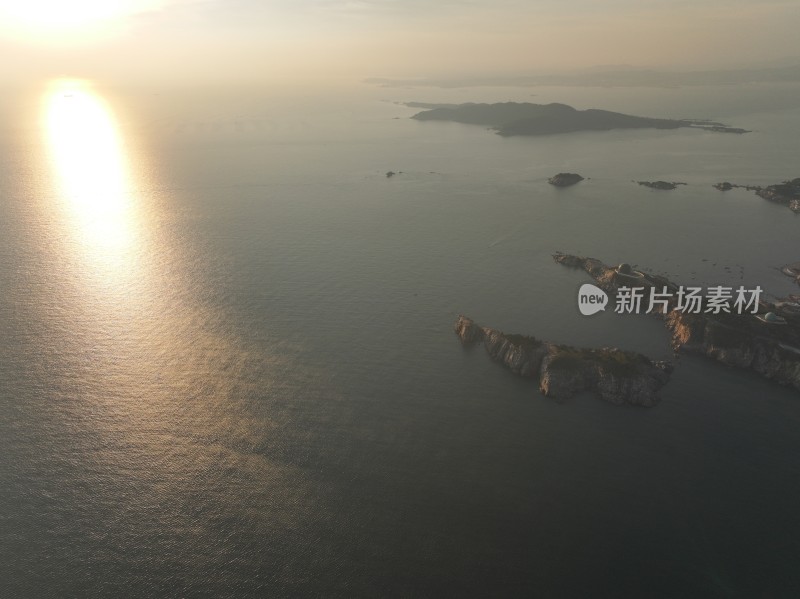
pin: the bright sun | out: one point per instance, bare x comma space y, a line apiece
45, 16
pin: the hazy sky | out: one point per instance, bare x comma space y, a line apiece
254, 39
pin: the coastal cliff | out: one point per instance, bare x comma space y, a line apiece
736, 345
617, 376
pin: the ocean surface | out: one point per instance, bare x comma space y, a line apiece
228, 369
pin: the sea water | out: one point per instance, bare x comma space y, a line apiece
227, 364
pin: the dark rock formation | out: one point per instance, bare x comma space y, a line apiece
565, 179
665, 185
522, 355
786, 193
724, 129
726, 186
617, 376
467, 330
740, 342
746, 340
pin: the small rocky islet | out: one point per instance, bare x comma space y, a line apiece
786, 193
568, 179
565, 179
662, 185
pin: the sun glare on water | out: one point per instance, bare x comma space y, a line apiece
90, 168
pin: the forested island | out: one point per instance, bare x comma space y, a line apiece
515, 118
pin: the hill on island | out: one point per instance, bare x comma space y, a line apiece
513, 118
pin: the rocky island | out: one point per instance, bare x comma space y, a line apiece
617, 376
525, 118
664, 185
565, 179
786, 193
766, 342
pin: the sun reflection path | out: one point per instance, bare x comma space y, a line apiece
168, 404
91, 172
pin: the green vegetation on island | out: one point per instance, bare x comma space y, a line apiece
514, 118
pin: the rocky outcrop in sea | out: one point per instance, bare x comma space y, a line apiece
565, 179
664, 185
615, 375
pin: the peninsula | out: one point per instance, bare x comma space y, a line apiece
786, 193
615, 375
513, 118
766, 342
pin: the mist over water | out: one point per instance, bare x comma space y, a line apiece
227, 365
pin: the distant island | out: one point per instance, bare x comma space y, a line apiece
515, 118
663, 185
565, 179
786, 193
